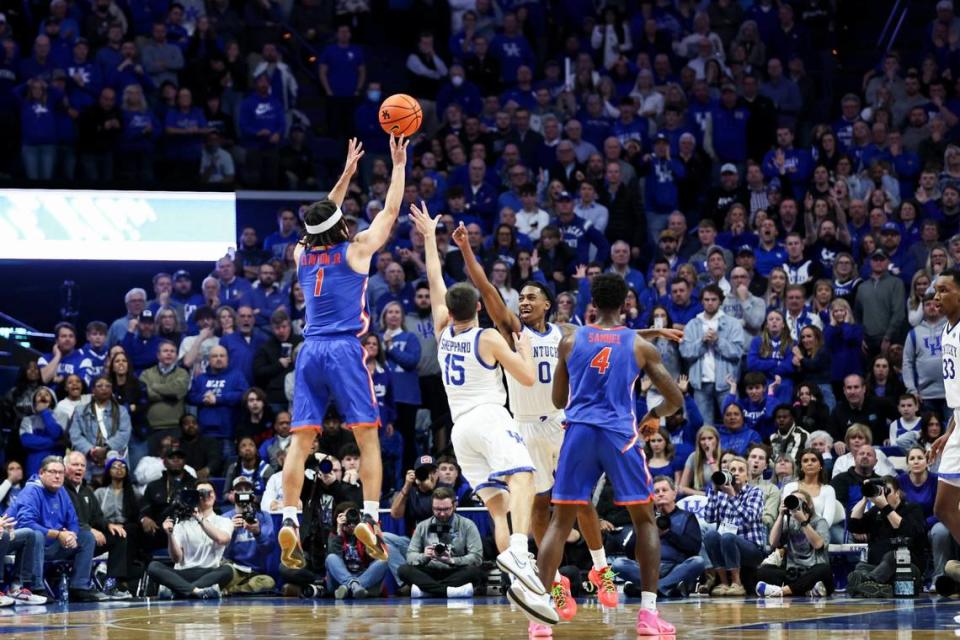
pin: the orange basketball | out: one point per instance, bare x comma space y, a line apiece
400, 114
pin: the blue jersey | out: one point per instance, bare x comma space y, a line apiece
603, 371
335, 294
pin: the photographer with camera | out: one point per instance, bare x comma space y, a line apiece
350, 569
680, 542
891, 525
322, 490
252, 542
196, 540
805, 563
445, 553
737, 509
159, 496
848, 487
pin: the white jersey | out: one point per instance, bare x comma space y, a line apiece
536, 402
468, 381
950, 340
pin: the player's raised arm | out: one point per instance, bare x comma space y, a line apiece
377, 234
561, 376
339, 191
506, 321
438, 290
648, 358
519, 363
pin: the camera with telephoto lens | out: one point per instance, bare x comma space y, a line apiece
246, 506
793, 503
185, 504
325, 466
442, 531
722, 478
440, 549
352, 517
874, 487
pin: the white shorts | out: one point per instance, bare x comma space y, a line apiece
489, 447
949, 469
543, 439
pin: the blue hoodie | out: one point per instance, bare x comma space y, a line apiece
256, 114
217, 420
737, 441
402, 359
141, 351
756, 416
248, 550
240, 351
40, 435
41, 510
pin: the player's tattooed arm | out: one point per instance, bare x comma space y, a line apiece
438, 290
339, 190
561, 376
507, 323
648, 358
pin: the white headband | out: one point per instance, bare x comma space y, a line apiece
327, 224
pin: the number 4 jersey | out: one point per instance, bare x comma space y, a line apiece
469, 381
603, 371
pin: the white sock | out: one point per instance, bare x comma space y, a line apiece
518, 543
557, 577
599, 558
291, 512
648, 600
372, 509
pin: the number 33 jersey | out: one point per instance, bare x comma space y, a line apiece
951, 364
469, 381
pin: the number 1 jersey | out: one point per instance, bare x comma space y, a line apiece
469, 381
603, 371
335, 294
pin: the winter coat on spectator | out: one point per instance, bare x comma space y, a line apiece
922, 363
268, 374
875, 413
217, 420
728, 350
85, 431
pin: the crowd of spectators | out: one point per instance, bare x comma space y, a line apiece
696, 149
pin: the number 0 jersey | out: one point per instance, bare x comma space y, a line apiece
603, 371
951, 364
335, 294
468, 381
536, 402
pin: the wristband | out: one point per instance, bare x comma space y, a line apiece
886, 511
805, 523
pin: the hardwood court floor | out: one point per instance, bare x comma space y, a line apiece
276, 618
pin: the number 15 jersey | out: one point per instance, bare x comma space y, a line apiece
603, 371
469, 381
951, 363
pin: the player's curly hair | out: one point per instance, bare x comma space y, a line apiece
317, 213
609, 291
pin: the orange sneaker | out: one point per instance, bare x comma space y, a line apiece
563, 602
606, 590
368, 532
291, 553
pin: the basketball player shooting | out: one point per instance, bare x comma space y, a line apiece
597, 369
485, 436
332, 271
540, 423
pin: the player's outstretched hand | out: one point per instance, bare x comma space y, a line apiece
649, 426
460, 236
398, 150
422, 220
354, 153
673, 335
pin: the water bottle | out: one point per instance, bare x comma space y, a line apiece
63, 597
903, 582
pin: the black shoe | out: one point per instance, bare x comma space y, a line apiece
874, 589
946, 586
87, 595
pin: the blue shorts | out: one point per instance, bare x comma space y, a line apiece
334, 368
586, 454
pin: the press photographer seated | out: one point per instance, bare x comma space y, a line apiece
801, 564
737, 509
350, 570
252, 543
891, 524
445, 553
196, 540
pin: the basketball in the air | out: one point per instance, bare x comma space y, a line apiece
400, 114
